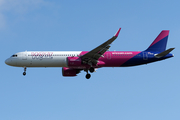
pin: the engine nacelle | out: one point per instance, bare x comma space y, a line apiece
69, 72
74, 61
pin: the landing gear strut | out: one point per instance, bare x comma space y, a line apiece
24, 73
91, 70
87, 75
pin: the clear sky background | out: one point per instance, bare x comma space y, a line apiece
146, 92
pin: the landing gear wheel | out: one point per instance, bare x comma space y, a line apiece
88, 76
91, 69
24, 73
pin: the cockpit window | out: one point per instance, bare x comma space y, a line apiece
14, 56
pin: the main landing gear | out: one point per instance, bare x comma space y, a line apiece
24, 73
88, 76
91, 70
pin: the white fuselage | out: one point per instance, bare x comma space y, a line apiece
41, 58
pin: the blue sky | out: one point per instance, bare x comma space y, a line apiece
133, 93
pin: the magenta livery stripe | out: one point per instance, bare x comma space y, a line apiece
115, 58
119, 58
162, 35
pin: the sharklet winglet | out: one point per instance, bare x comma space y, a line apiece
117, 33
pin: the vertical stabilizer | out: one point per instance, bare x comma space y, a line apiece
159, 44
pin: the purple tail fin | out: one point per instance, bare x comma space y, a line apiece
159, 44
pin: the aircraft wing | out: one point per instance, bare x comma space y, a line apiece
93, 55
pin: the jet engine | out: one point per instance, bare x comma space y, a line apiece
69, 72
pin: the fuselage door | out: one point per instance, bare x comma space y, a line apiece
24, 55
108, 56
145, 56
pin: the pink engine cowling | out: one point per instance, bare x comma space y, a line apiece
69, 72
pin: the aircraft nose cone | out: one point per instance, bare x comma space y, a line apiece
8, 61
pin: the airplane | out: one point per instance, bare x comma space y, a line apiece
73, 62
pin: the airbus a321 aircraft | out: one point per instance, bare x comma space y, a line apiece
72, 62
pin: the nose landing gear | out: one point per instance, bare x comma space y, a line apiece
24, 73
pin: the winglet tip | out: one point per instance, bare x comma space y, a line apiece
117, 33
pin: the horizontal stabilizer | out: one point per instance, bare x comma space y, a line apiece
162, 54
